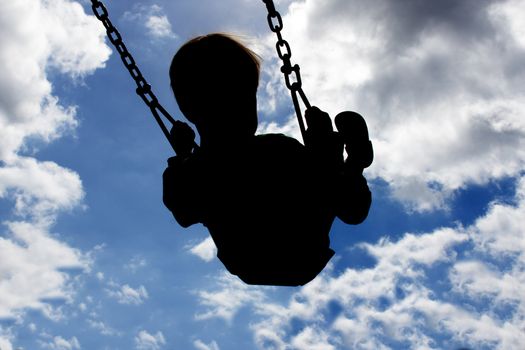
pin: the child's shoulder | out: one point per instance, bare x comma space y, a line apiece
279, 147
278, 140
281, 151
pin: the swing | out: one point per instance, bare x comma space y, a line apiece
291, 247
144, 90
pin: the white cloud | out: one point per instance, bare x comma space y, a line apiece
59, 343
102, 327
440, 86
230, 296
449, 288
312, 338
147, 341
511, 14
40, 189
152, 18
36, 38
5, 344
136, 263
31, 268
200, 345
206, 250
159, 27
395, 301
5, 339
128, 295
290, 127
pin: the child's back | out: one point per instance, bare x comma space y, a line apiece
267, 200
263, 207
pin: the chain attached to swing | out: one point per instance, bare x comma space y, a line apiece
275, 22
291, 72
143, 88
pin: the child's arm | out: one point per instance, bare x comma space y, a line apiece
178, 179
353, 197
350, 193
323, 144
353, 130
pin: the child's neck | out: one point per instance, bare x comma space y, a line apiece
224, 143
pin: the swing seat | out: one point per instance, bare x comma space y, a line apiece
281, 259
292, 269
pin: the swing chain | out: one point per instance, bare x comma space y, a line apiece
292, 73
143, 88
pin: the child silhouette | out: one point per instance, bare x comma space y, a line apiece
267, 200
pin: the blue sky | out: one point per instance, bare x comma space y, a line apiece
91, 259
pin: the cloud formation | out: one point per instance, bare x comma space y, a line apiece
128, 295
147, 341
228, 298
5, 340
441, 87
200, 345
153, 19
103, 328
448, 288
206, 249
59, 343
36, 38
31, 267
446, 77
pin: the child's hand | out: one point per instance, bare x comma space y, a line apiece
321, 138
354, 133
320, 131
319, 122
183, 138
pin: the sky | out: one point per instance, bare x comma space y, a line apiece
91, 259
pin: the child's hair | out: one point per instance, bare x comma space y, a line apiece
210, 66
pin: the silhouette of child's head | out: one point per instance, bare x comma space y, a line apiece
214, 79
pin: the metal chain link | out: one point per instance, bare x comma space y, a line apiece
143, 88
292, 73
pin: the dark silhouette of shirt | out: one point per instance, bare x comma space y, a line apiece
268, 204
268, 201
